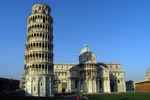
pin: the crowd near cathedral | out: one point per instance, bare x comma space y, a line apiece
43, 77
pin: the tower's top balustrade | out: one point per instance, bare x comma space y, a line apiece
41, 8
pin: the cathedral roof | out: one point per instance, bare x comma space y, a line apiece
85, 49
89, 62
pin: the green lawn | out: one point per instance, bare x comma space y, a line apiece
120, 96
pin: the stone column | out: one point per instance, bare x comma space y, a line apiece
98, 87
106, 85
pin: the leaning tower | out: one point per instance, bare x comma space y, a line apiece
38, 65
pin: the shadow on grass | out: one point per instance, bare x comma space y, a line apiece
125, 99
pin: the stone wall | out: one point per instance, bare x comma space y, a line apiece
142, 86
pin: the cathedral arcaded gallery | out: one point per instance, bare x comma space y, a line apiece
89, 76
44, 78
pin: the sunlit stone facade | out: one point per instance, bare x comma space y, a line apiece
89, 76
38, 65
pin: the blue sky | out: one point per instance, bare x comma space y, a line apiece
115, 30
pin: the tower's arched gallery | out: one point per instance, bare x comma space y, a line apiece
38, 65
43, 78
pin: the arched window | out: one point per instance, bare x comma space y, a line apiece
40, 34
35, 11
46, 27
35, 17
39, 54
33, 55
40, 26
44, 20
43, 45
43, 11
47, 19
40, 45
43, 36
93, 58
34, 88
33, 44
39, 8
43, 55
37, 26
36, 44
36, 55
43, 66
118, 81
49, 38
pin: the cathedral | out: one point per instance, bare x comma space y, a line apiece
89, 76
42, 77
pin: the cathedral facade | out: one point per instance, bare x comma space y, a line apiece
89, 76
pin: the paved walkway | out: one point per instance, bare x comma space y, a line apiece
69, 97
74, 97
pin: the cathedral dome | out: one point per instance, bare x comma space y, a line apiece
85, 49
